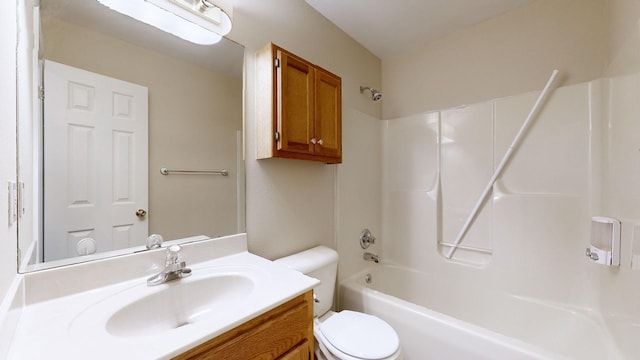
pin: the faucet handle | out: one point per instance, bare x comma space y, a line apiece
154, 241
366, 238
174, 255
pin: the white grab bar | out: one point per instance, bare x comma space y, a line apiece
505, 159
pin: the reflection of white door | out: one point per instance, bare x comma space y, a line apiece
95, 160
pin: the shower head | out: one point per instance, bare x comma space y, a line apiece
375, 94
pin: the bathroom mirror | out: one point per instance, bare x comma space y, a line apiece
90, 190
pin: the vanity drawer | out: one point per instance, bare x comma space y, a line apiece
285, 332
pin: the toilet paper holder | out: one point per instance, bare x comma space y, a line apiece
605, 241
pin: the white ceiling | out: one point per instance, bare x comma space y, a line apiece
392, 27
384, 27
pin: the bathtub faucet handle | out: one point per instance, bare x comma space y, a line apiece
366, 238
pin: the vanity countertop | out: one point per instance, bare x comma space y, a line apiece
73, 326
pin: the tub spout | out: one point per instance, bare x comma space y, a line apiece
371, 257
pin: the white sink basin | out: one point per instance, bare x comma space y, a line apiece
179, 303
143, 310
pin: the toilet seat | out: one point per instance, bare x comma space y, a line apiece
359, 335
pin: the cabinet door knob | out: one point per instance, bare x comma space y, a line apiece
313, 141
320, 142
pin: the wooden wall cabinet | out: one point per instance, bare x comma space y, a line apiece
299, 108
284, 333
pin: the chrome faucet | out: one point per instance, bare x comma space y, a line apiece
371, 257
174, 267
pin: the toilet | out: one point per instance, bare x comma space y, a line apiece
344, 335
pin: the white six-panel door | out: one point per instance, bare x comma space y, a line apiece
95, 160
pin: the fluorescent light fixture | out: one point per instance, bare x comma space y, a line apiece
202, 22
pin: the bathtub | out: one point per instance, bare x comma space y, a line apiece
436, 319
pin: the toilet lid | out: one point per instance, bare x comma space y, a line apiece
360, 335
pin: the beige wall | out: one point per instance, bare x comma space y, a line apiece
509, 54
8, 234
291, 204
359, 189
624, 41
194, 115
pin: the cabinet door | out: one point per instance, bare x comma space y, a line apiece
328, 114
285, 332
295, 101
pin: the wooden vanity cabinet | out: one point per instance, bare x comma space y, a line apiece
284, 333
299, 108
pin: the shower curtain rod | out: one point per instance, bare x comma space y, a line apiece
505, 159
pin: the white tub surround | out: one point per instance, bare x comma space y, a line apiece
66, 310
525, 251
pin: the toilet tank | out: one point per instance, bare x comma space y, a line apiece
321, 263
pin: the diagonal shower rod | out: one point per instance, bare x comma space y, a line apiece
505, 160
